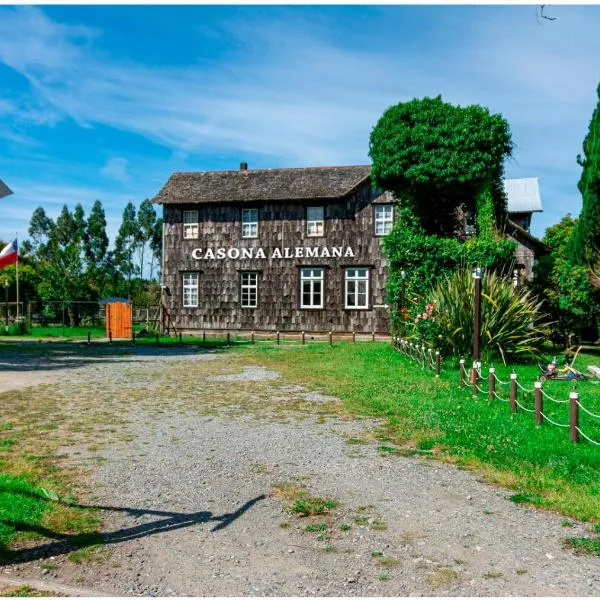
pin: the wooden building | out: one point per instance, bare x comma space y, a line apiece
276, 249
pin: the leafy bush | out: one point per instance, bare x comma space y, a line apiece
511, 320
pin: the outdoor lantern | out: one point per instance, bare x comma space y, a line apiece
477, 272
403, 274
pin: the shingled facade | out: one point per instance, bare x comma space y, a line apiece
276, 249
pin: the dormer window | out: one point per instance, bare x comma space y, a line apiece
315, 221
250, 222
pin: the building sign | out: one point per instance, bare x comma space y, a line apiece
250, 253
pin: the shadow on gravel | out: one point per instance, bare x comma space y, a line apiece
33, 356
66, 543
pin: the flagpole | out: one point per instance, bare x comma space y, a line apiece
17, 238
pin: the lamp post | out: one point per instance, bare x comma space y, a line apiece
476, 313
6, 285
402, 295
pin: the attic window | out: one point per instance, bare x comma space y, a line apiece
250, 222
315, 221
190, 224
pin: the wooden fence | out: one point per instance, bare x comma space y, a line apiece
508, 391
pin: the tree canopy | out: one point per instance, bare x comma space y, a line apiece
437, 157
584, 245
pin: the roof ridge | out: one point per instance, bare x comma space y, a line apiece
266, 170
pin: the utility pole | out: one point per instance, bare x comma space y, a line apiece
477, 314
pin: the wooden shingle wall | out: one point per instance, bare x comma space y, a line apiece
348, 222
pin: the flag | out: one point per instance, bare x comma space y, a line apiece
9, 254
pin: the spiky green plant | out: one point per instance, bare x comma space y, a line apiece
512, 322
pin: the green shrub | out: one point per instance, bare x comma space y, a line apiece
511, 320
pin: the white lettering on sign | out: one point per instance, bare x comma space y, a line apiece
250, 253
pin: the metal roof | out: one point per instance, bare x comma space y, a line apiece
523, 195
4, 189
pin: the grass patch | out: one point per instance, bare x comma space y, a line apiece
441, 577
308, 506
345, 527
90, 549
388, 562
314, 527
435, 417
582, 545
383, 576
25, 591
492, 575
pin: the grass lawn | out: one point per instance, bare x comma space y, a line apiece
435, 417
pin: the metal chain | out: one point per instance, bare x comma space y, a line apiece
587, 411
553, 422
587, 438
553, 399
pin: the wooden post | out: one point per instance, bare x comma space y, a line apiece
513, 392
204, 336
278, 338
180, 337
373, 336
475, 377
462, 372
429, 359
110, 337
133, 337
539, 407
228, 338
354, 337
252, 337
422, 357
157, 339
438, 363
492, 383
89, 337
303, 338
331, 338
574, 417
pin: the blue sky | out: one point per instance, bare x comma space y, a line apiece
105, 102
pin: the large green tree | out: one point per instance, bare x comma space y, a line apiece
439, 158
584, 246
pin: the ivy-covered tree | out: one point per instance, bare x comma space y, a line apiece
439, 158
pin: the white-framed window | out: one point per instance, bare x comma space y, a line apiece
190, 224
315, 221
384, 218
311, 287
357, 287
249, 290
190, 289
249, 222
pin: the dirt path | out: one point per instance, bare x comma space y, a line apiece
204, 457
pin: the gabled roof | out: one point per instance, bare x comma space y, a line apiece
309, 183
523, 236
523, 195
4, 189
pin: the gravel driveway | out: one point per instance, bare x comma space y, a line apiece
198, 478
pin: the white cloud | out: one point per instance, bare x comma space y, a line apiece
299, 98
116, 168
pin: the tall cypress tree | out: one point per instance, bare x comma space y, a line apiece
585, 242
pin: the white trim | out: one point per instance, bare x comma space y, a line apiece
383, 222
249, 222
251, 289
353, 277
190, 290
190, 225
315, 226
313, 277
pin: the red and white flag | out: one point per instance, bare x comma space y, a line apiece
9, 255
